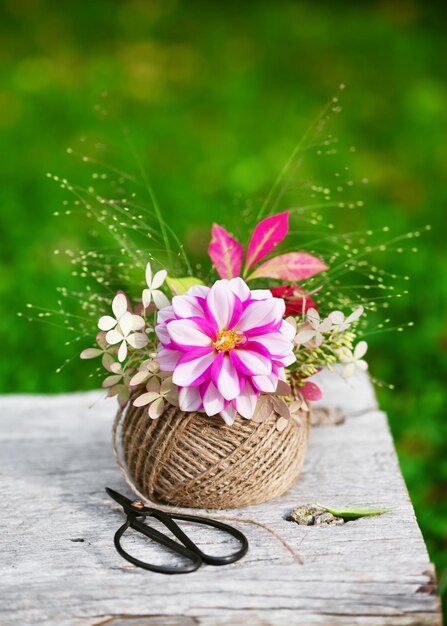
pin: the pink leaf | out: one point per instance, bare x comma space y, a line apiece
311, 391
292, 266
266, 236
225, 252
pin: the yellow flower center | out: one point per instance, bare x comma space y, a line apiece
227, 340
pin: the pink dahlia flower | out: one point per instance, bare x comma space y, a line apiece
224, 346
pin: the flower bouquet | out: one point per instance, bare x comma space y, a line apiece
214, 381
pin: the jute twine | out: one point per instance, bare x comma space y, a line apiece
192, 460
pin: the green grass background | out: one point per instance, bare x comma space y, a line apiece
215, 96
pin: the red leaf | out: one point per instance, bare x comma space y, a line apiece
297, 300
266, 236
226, 253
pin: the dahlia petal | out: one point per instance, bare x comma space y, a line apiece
239, 288
266, 384
162, 333
189, 399
168, 359
200, 291
275, 343
213, 401
188, 371
258, 313
228, 379
261, 294
186, 306
166, 314
251, 362
119, 305
106, 322
228, 415
246, 402
286, 360
187, 333
220, 301
288, 330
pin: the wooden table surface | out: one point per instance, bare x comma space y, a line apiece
59, 566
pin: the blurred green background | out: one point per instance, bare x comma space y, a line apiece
215, 96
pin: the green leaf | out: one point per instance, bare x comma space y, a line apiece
180, 285
355, 513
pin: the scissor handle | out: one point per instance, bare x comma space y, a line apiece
168, 520
132, 521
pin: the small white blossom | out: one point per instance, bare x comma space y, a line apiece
353, 359
341, 323
153, 293
121, 329
313, 328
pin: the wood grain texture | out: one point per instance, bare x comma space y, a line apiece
59, 566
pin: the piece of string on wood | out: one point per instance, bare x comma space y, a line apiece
174, 509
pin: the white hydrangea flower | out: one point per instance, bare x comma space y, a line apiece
153, 293
123, 327
353, 359
313, 328
341, 323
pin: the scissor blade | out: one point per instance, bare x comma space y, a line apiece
122, 500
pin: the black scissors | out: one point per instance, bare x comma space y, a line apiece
136, 510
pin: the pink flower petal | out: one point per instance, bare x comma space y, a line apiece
239, 288
165, 314
226, 253
189, 370
228, 415
168, 359
190, 399
258, 313
251, 361
187, 333
288, 330
292, 266
221, 302
200, 291
286, 360
213, 401
187, 306
275, 343
246, 403
266, 384
266, 236
226, 377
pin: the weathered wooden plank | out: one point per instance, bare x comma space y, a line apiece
59, 565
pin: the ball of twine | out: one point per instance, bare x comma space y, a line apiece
192, 460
